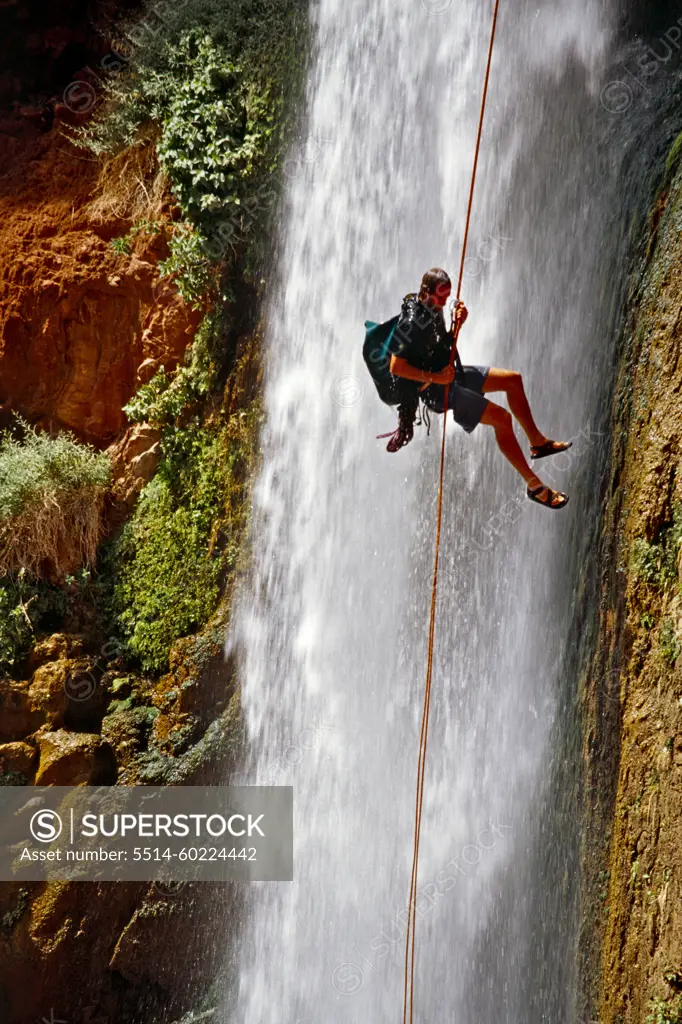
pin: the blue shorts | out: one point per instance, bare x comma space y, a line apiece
466, 398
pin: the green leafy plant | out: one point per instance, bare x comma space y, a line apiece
169, 584
646, 562
173, 556
17, 619
188, 264
166, 398
668, 643
51, 496
665, 1013
208, 355
656, 563
121, 245
28, 605
169, 396
208, 145
124, 244
149, 403
215, 84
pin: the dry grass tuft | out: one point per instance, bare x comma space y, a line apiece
51, 502
55, 538
131, 185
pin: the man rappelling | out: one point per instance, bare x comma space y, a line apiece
409, 358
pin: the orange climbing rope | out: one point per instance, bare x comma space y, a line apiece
408, 999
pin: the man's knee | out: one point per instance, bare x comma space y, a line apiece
497, 417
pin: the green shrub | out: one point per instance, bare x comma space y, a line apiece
665, 1013
147, 405
166, 397
645, 561
208, 144
656, 563
189, 265
51, 497
17, 618
215, 80
256, 36
28, 605
168, 584
121, 245
668, 643
183, 539
124, 244
214, 142
209, 355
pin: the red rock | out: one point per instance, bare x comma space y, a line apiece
77, 320
134, 459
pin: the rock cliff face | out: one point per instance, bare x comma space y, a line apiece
75, 716
100, 953
633, 693
81, 326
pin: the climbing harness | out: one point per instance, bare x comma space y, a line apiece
408, 995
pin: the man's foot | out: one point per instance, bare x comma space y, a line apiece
546, 496
541, 451
405, 430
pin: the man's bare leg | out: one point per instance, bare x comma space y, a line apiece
500, 420
511, 383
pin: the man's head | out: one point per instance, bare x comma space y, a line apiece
435, 288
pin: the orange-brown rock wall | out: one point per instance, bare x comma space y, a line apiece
81, 326
632, 928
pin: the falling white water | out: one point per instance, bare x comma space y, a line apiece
332, 629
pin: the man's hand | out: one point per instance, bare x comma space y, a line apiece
460, 314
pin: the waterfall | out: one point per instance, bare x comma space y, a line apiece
331, 630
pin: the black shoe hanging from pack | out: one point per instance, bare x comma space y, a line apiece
405, 429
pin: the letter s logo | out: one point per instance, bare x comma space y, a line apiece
46, 826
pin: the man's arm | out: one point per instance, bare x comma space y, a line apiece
401, 368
